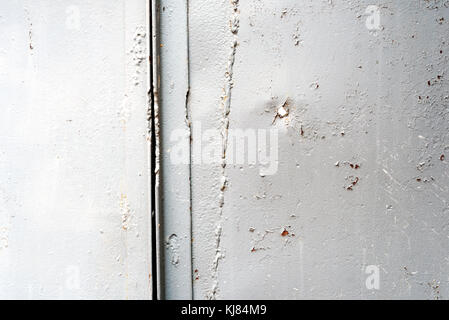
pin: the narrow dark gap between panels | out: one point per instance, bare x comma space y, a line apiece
153, 159
190, 151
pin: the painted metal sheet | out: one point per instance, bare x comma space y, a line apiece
301, 149
341, 189
175, 237
74, 208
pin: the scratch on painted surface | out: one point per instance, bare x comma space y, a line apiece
261, 241
30, 30
138, 52
125, 211
187, 108
226, 107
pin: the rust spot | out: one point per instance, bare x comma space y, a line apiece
253, 249
442, 157
353, 183
301, 132
418, 179
196, 271
354, 166
284, 233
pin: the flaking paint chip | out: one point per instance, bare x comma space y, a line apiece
284, 232
282, 112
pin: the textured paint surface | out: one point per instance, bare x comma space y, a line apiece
359, 103
362, 120
74, 210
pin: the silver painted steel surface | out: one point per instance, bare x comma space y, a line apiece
176, 271
74, 209
358, 95
341, 189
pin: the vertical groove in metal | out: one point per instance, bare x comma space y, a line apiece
189, 119
175, 232
150, 151
154, 141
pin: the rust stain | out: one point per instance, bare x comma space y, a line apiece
353, 183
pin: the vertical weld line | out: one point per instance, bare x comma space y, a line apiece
226, 105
